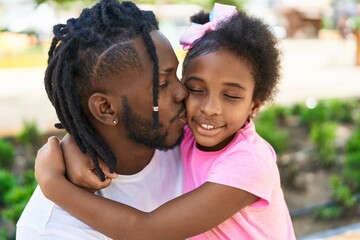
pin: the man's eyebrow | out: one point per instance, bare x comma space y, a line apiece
233, 84
167, 70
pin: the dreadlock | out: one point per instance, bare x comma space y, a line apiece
83, 52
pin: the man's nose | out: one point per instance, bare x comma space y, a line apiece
180, 92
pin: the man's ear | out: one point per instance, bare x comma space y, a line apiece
102, 109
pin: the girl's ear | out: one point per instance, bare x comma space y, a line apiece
102, 109
255, 108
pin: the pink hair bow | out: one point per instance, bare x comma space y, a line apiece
197, 31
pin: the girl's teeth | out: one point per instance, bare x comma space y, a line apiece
208, 127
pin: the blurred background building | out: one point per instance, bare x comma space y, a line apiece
315, 34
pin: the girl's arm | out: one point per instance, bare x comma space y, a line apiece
185, 216
80, 169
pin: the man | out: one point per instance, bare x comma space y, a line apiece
111, 77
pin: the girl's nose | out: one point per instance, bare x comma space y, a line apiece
211, 106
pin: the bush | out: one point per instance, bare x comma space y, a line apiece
329, 213
353, 143
7, 182
17, 197
4, 235
267, 127
16, 200
327, 110
309, 116
7, 154
31, 136
342, 111
342, 193
344, 198
275, 136
352, 161
352, 171
323, 135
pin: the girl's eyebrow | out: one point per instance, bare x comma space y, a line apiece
193, 78
232, 84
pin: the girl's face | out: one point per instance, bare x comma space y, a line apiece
220, 87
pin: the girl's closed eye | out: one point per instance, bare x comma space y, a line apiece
232, 97
194, 90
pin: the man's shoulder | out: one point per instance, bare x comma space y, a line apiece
42, 219
37, 211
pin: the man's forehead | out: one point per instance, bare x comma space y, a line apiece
164, 51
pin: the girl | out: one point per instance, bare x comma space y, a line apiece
232, 187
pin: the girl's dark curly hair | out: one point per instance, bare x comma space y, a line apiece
84, 51
248, 38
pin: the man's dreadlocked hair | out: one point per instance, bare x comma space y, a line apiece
85, 51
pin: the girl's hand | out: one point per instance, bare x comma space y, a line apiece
80, 169
49, 162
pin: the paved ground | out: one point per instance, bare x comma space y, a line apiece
311, 69
351, 232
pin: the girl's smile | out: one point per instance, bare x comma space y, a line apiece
207, 128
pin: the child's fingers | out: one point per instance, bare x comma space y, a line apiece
54, 144
54, 152
49, 160
80, 169
106, 170
93, 182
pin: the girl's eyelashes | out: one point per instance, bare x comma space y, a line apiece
194, 90
232, 97
198, 91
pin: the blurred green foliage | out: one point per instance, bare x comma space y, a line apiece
15, 192
351, 172
267, 125
331, 109
18, 196
31, 137
323, 134
7, 182
346, 184
7, 154
329, 213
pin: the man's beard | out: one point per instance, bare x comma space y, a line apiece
140, 130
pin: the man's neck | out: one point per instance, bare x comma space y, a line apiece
131, 157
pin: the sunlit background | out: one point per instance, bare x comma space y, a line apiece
320, 58
320, 86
